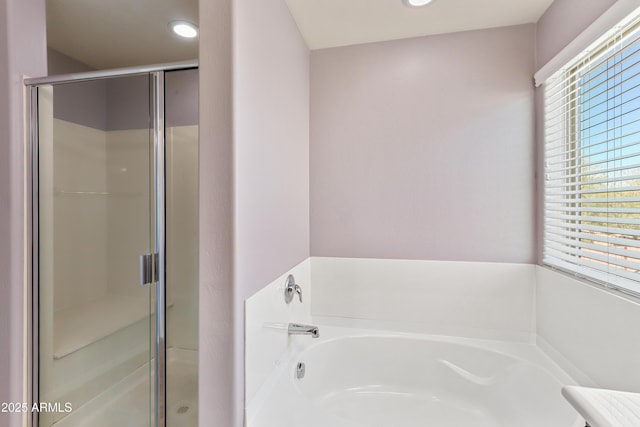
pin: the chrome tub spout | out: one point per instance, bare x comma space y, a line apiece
297, 329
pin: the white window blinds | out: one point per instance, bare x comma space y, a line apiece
592, 161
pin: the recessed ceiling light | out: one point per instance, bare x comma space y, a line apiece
184, 29
415, 3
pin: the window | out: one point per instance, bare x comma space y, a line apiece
592, 162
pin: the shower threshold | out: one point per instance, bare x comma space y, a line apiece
127, 402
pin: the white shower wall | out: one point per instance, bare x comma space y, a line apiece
80, 223
95, 309
101, 236
128, 209
182, 236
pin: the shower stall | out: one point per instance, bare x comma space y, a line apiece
114, 160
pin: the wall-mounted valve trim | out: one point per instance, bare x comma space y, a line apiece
291, 288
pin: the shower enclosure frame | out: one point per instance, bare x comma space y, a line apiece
157, 92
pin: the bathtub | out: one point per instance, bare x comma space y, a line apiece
364, 378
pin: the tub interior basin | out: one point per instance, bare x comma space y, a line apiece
390, 381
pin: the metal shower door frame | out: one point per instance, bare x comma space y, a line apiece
160, 396
156, 74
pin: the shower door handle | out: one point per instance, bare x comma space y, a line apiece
148, 269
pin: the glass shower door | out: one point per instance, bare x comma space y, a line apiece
96, 216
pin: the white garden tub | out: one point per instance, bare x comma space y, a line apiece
357, 378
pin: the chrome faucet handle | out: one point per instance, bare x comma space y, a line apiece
298, 290
291, 288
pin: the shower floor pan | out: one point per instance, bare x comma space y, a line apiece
127, 403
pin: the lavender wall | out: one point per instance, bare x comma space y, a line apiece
128, 99
128, 103
83, 103
423, 148
562, 22
271, 143
6, 394
181, 106
59, 63
271, 125
120, 103
217, 362
22, 52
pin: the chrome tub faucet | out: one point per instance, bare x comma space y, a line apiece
297, 329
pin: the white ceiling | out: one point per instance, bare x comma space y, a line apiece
329, 23
120, 33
